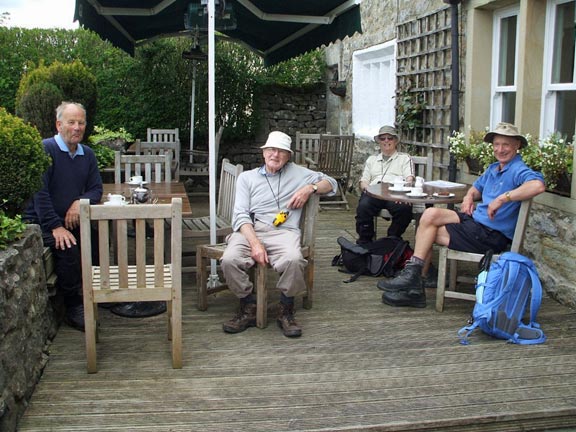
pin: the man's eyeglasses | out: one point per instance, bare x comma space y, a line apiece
386, 138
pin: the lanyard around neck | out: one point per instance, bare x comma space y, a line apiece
276, 196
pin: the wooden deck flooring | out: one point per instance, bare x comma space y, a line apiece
360, 365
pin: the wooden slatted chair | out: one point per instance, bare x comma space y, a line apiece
198, 171
160, 148
308, 236
334, 158
448, 255
199, 227
132, 279
306, 146
153, 168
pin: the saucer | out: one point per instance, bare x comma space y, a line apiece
110, 203
404, 189
443, 196
137, 183
413, 195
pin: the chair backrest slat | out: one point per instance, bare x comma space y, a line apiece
154, 168
306, 146
227, 190
335, 156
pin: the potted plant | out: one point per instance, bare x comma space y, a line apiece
116, 140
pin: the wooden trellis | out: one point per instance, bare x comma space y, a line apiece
424, 72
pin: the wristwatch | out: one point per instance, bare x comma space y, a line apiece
314, 188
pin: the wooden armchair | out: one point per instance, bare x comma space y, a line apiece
306, 147
153, 168
334, 158
199, 227
454, 256
131, 279
308, 237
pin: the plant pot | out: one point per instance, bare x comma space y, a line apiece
338, 88
563, 185
474, 166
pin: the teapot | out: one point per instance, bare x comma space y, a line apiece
141, 195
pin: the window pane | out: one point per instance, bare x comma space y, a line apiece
508, 107
563, 60
507, 53
565, 113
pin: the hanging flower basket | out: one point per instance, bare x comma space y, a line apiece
338, 88
474, 166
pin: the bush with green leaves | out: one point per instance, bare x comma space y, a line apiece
104, 155
42, 89
22, 162
11, 229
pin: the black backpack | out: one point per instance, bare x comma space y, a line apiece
382, 257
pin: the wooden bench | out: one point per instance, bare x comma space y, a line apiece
49, 270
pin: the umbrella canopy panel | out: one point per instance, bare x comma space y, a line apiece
276, 30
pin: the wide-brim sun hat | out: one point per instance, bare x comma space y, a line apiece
390, 130
506, 129
279, 140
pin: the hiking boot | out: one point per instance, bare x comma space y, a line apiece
408, 280
244, 318
286, 321
431, 279
75, 317
402, 298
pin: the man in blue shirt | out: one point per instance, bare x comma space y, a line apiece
491, 225
72, 176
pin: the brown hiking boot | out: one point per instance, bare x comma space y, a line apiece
286, 321
244, 318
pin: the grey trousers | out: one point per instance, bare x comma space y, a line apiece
283, 248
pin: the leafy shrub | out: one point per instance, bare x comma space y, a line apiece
11, 229
37, 96
104, 155
22, 162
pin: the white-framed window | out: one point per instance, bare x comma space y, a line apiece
373, 88
504, 66
559, 87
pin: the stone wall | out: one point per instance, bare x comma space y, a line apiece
550, 243
27, 325
286, 109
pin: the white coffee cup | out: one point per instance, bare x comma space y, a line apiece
419, 182
398, 183
136, 179
417, 191
116, 199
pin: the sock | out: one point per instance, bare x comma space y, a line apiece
286, 300
249, 299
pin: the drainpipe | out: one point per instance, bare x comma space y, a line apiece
455, 94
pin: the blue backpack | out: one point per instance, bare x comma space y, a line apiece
502, 294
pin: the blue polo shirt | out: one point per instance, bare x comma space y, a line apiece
494, 183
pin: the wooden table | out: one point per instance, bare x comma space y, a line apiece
164, 191
381, 191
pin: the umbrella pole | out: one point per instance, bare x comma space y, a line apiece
192, 103
213, 281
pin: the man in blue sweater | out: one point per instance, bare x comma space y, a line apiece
72, 176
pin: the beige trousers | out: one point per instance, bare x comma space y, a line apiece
283, 248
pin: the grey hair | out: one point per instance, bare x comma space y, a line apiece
60, 108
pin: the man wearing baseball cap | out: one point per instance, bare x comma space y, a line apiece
490, 225
384, 167
267, 211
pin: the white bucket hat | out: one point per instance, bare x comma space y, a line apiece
279, 140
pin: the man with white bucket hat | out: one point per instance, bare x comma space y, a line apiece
267, 211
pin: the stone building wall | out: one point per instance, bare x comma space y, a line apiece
27, 324
289, 110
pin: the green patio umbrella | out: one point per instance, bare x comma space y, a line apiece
276, 30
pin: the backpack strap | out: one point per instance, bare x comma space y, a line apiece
531, 334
